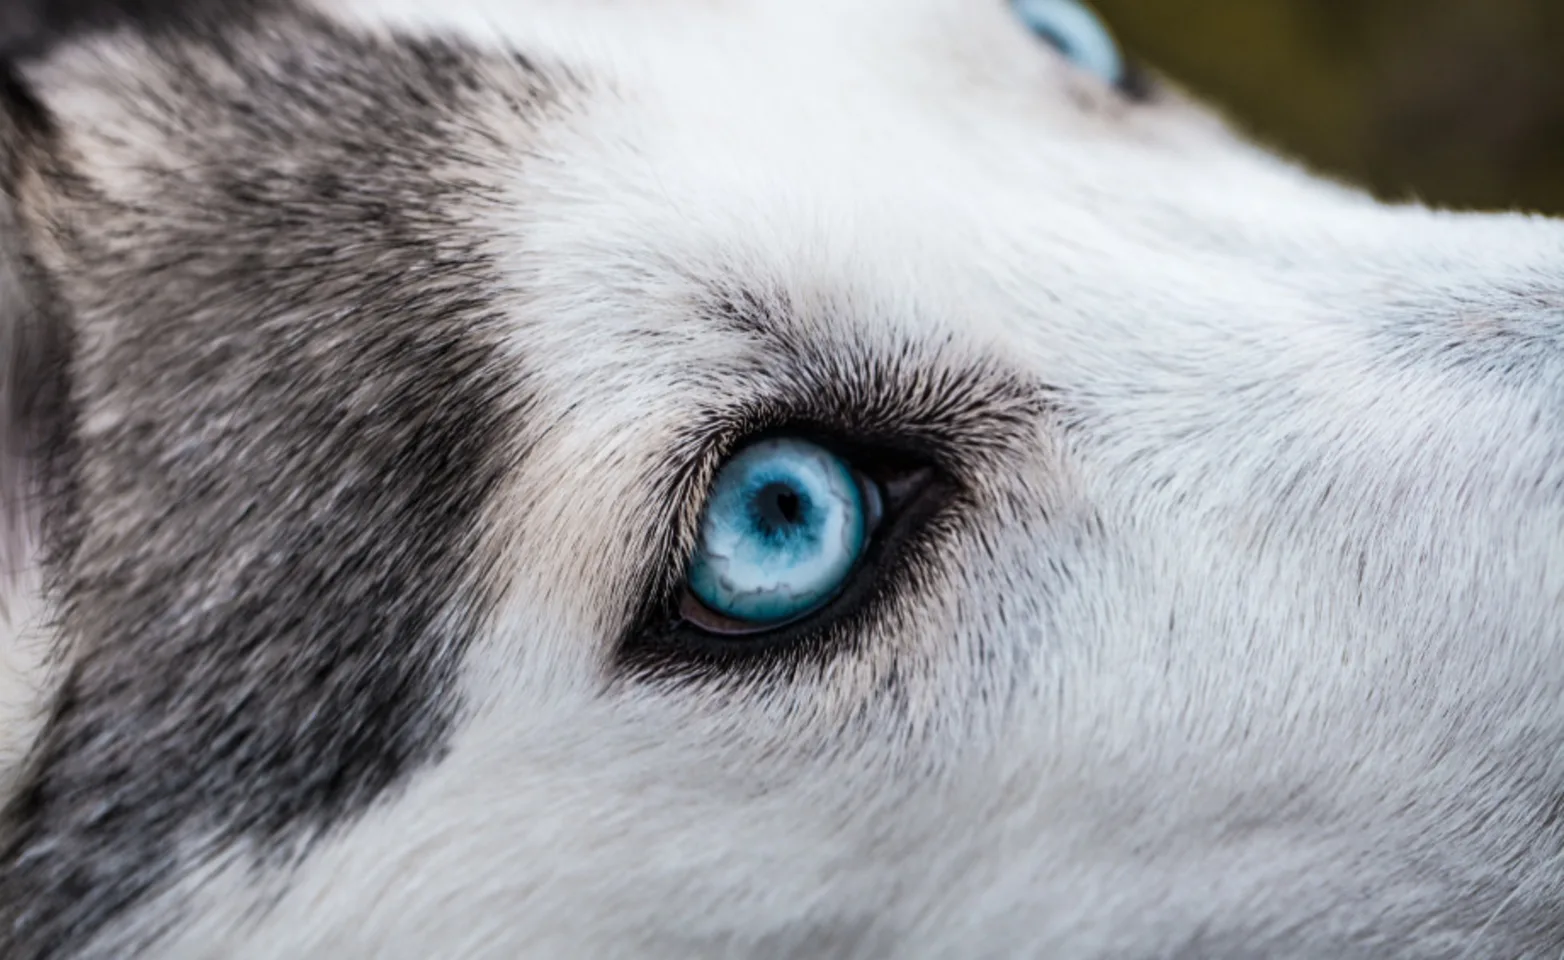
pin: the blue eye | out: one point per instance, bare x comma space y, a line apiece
1076, 32
786, 524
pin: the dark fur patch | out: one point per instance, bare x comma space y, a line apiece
31, 28
286, 359
37, 442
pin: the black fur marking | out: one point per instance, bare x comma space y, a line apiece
286, 358
37, 445
31, 28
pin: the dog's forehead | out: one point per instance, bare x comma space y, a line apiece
746, 57
854, 125
749, 26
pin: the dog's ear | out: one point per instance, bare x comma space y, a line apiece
32, 344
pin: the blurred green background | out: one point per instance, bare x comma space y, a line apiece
1456, 102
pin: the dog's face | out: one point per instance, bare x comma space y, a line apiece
754, 478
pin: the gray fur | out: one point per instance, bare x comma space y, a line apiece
280, 624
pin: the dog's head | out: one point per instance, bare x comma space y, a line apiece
752, 477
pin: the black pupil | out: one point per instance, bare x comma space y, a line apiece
780, 505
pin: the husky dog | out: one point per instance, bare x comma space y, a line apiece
751, 478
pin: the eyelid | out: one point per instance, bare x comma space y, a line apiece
924, 424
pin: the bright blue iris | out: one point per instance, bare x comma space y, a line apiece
784, 527
1076, 32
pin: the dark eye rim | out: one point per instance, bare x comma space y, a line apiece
914, 491
1138, 85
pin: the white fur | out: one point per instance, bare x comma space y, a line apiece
1315, 638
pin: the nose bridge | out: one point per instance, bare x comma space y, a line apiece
1402, 367
1271, 269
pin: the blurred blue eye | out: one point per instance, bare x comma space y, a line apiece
786, 524
1076, 32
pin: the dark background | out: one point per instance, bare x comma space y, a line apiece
1456, 102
